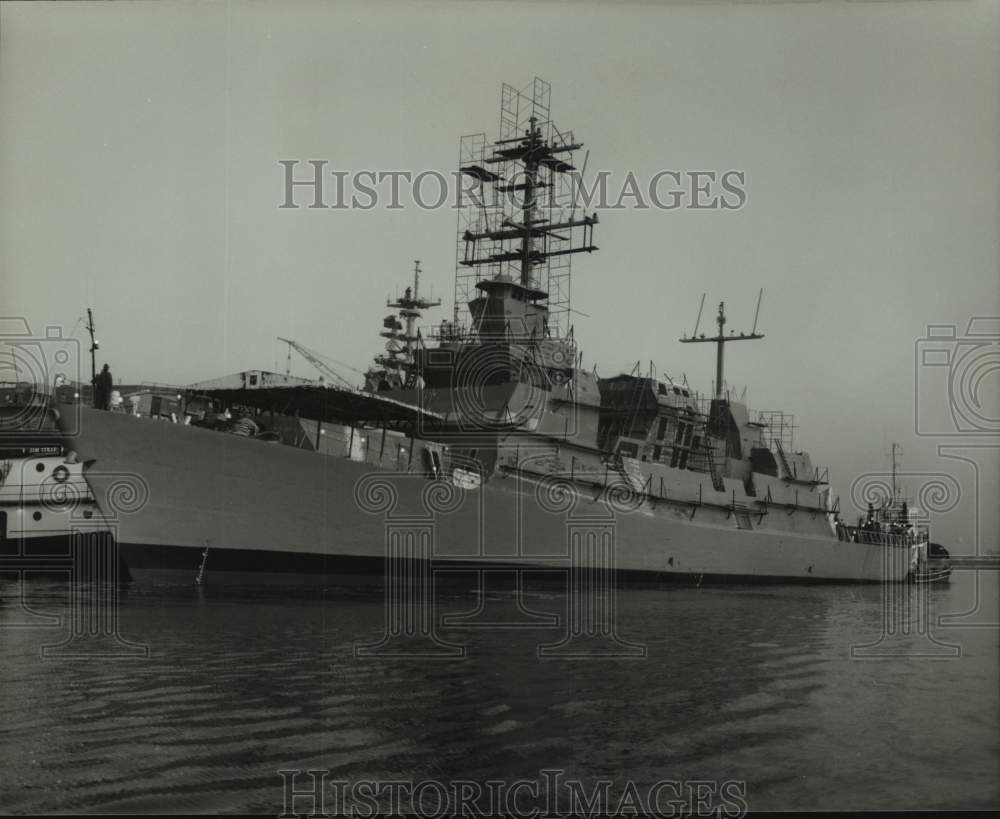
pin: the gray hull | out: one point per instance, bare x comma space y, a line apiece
169, 492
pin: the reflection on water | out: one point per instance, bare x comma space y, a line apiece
744, 683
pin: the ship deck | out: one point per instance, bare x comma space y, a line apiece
322, 403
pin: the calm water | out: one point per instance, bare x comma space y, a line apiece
751, 684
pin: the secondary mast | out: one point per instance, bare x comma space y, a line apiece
721, 340
396, 367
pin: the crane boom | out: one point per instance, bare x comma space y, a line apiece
314, 358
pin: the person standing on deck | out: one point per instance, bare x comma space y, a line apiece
102, 389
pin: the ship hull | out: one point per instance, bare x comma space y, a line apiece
210, 505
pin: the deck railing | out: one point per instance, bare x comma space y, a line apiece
860, 534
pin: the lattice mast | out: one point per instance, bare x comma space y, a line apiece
519, 218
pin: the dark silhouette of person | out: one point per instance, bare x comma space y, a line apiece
102, 389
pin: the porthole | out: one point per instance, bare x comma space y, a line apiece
37, 515
39, 467
60, 474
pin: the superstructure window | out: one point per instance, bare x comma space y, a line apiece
629, 450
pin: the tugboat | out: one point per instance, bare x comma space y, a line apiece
895, 518
490, 436
937, 567
47, 510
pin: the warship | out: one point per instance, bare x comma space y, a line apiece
481, 441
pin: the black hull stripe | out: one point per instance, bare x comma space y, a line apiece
232, 565
222, 563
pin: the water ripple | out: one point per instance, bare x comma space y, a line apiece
743, 683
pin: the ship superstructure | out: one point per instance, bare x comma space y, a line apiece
509, 383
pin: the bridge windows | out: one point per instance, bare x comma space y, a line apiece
685, 441
628, 449
684, 433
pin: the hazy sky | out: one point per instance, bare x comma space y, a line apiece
139, 175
